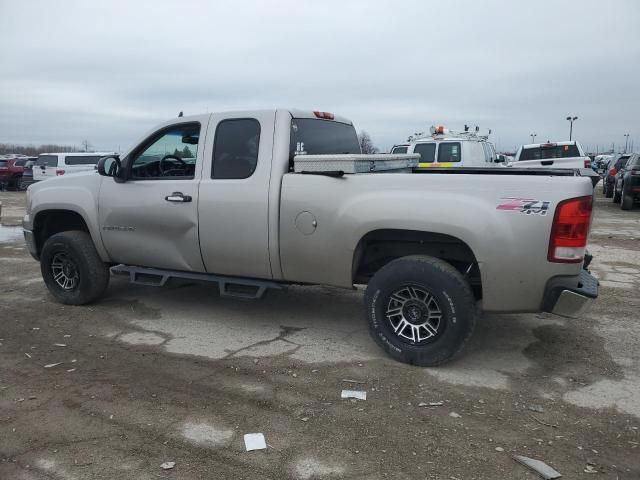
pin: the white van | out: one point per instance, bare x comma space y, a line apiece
445, 148
50, 165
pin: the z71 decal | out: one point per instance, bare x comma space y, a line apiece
524, 205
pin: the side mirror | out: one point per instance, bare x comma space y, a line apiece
109, 166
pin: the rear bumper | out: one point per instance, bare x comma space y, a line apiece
570, 296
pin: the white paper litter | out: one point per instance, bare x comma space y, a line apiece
357, 394
254, 441
59, 344
454, 415
431, 404
51, 365
168, 465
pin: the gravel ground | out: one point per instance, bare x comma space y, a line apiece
179, 374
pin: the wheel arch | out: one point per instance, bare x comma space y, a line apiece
51, 221
378, 247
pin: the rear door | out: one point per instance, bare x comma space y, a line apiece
151, 219
45, 167
234, 195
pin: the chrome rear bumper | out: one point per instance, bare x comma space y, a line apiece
570, 296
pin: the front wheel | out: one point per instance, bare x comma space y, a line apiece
72, 269
420, 310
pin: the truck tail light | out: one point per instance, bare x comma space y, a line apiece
324, 115
59, 172
570, 230
612, 172
587, 164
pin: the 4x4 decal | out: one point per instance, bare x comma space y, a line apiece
524, 205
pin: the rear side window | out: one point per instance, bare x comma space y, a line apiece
544, 152
20, 163
321, 137
81, 160
449, 152
235, 151
399, 150
621, 161
427, 152
47, 161
3, 163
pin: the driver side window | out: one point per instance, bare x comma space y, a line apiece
170, 153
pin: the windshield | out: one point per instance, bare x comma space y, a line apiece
402, 149
322, 137
549, 151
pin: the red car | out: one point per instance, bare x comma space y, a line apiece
11, 170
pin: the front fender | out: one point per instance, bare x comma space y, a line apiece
76, 193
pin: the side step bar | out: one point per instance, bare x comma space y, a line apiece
238, 287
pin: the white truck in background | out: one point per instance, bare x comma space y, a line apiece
51, 165
444, 148
568, 154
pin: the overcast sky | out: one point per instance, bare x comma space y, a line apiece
108, 71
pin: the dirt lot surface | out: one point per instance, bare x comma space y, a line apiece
178, 374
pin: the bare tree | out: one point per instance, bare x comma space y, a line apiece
86, 146
366, 144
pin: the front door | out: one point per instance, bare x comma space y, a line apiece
151, 219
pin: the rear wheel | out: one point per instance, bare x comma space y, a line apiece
608, 191
617, 196
420, 310
627, 201
71, 268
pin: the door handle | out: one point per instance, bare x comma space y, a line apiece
547, 162
178, 197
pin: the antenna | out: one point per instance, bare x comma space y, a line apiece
180, 114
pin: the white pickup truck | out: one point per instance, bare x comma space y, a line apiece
552, 155
238, 199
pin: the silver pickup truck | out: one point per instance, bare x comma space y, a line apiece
217, 197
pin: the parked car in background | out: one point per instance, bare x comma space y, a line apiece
11, 170
626, 188
552, 155
50, 165
609, 180
446, 148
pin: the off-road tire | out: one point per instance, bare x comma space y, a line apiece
93, 274
447, 286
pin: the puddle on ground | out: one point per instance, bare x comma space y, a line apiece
10, 234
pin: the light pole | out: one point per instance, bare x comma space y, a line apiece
626, 142
571, 120
533, 137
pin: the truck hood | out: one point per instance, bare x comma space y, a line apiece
89, 179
